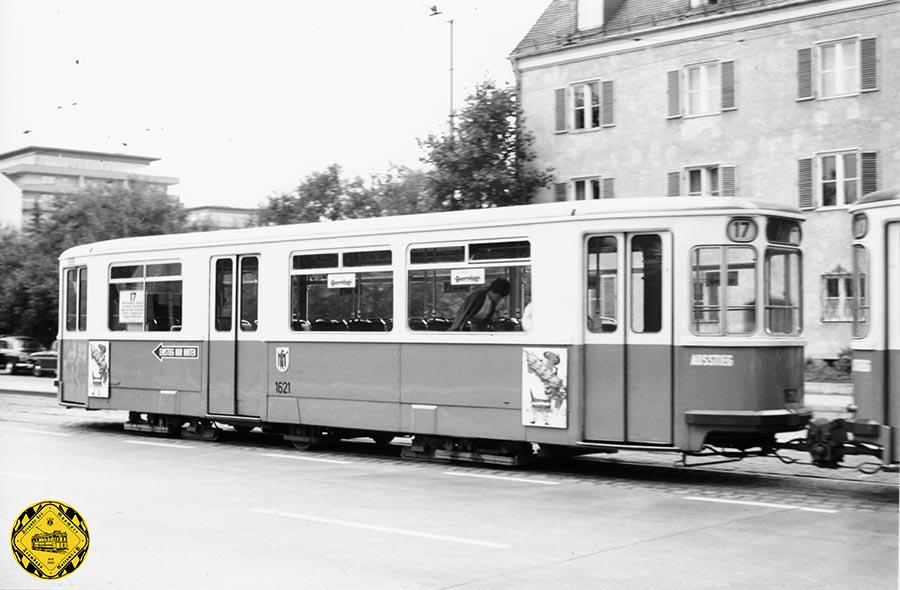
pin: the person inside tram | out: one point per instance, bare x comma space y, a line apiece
479, 306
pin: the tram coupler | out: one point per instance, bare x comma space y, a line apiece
829, 441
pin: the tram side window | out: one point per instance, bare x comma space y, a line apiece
783, 292
76, 299
602, 284
646, 283
145, 297
723, 307
438, 296
344, 298
860, 291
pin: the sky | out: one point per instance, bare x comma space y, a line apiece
242, 100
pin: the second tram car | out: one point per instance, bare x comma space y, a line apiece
646, 323
876, 333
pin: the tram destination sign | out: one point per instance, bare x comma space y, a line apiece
168, 352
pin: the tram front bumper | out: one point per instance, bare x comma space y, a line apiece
742, 425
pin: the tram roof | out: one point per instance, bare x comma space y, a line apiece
882, 196
534, 213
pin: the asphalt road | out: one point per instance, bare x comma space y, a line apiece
249, 511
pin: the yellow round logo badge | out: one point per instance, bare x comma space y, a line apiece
50, 539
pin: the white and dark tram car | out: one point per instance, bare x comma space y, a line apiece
592, 326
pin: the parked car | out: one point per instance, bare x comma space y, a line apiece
15, 352
45, 362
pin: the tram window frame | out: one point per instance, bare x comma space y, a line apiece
724, 313
791, 322
441, 277
366, 295
646, 283
602, 293
860, 306
76, 298
158, 287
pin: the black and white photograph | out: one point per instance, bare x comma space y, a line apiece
455, 294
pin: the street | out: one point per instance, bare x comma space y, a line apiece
251, 511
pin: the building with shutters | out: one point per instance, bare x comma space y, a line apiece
791, 101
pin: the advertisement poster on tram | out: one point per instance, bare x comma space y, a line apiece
545, 387
98, 363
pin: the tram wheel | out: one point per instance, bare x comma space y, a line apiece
243, 428
302, 445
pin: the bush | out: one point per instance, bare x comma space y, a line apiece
830, 371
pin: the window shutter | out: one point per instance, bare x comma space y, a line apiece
868, 64
674, 94
869, 169
559, 191
608, 118
674, 185
608, 188
805, 183
729, 97
729, 177
804, 74
560, 109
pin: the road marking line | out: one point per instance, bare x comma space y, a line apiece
502, 478
24, 476
44, 432
157, 444
383, 529
760, 504
303, 458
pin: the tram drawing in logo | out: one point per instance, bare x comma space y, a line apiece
50, 539
282, 358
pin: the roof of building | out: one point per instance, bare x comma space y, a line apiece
557, 27
51, 151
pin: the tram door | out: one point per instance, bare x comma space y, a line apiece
628, 338
892, 344
236, 360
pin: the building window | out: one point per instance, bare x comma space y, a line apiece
836, 179
703, 181
586, 189
585, 105
839, 68
702, 89
839, 180
837, 297
831, 69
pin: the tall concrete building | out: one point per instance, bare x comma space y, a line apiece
788, 101
42, 172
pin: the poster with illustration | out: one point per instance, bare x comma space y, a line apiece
98, 363
545, 387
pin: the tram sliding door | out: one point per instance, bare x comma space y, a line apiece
892, 344
236, 359
628, 338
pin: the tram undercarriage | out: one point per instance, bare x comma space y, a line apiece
827, 442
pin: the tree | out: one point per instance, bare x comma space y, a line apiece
487, 160
29, 287
322, 196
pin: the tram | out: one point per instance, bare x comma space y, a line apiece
876, 337
489, 335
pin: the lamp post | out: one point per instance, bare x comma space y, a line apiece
435, 12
